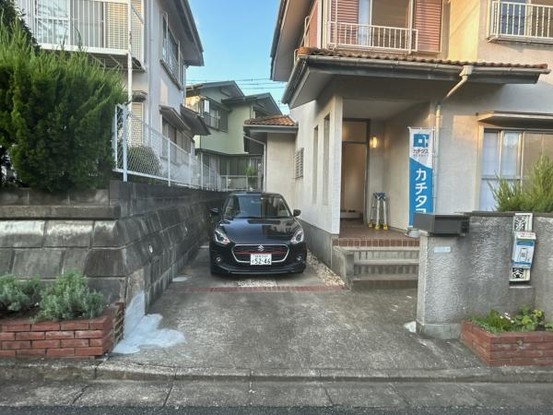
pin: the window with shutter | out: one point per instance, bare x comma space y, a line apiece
428, 22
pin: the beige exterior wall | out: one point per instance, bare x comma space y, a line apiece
325, 216
280, 163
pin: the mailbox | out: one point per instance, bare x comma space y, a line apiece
441, 224
523, 249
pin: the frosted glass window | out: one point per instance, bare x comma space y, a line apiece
509, 154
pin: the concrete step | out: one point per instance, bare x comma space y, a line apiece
387, 281
386, 267
362, 254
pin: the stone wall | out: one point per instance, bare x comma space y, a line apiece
467, 275
130, 239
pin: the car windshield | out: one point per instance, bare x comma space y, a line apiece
256, 207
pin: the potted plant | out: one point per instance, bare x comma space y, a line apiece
505, 340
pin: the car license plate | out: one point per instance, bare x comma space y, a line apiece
260, 259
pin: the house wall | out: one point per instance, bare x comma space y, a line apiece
325, 216
396, 159
155, 80
469, 275
321, 220
280, 163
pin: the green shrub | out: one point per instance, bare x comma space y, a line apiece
57, 111
143, 159
525, 319
18, 295
533, 195
70, 298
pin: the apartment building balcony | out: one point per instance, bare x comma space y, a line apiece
100, 27
521, 22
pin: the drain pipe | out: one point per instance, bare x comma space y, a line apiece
465, 73
264, 158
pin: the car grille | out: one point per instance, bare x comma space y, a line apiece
242, 252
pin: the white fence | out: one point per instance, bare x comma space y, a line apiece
139, 150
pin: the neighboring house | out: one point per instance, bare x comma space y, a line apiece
225, 108
152, 56
283, 165
471, 73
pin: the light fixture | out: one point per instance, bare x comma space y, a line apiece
374, 141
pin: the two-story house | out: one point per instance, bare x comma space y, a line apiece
150, 42
428, 101
238, 158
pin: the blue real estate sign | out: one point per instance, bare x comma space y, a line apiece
420, 171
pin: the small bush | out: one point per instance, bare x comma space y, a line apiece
533, 195
143, 159
526, 319
70, 298
18, 296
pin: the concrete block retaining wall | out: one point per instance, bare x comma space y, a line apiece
468, 275
129, 239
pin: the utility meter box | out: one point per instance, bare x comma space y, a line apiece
523, 249
441, 224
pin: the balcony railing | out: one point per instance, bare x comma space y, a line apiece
99, 26
351, 35
521, 22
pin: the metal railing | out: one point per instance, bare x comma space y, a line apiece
99, 26
139, 150
364, 36
521, 21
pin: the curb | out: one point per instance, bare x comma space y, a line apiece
106, 370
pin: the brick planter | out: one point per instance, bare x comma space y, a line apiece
509, 349
69, 338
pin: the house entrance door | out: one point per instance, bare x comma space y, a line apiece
354, 165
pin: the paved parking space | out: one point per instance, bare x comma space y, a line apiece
196, 277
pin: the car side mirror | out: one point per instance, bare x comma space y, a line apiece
214, 211
296, 212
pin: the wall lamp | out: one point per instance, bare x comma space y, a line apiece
373, 143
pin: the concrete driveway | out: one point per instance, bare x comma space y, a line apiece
307, 323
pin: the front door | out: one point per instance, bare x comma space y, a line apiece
354, 167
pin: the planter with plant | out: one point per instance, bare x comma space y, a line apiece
64, 319
523, 339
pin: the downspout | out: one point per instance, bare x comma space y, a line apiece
264, 158
465, 73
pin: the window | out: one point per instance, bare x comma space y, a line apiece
315, 162
326, 159
171, 55
298, 161
522, 19
510, 155
214, 116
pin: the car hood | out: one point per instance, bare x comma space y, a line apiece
242, 230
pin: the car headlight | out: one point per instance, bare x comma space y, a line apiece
298, 237
220, 237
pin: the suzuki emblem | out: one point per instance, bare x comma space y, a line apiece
260, 248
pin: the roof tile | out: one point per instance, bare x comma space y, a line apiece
410, 58
273, 120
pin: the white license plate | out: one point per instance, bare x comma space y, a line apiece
260, 259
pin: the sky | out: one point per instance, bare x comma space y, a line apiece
236, 36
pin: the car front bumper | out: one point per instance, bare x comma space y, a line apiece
223, 261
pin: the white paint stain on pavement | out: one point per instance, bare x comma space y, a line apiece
411, 326
147, 335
